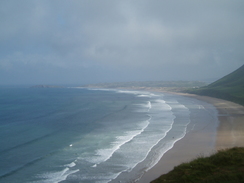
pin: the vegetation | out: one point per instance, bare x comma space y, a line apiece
230, 87
222, 167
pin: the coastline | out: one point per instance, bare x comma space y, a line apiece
230, 133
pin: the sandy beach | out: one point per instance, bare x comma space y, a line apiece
230, 133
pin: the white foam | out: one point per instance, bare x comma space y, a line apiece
101, 89
154, 145
144, 96
169, 145
201, 107
72, 164
146, 155
134, 92
144, 107
149, 95
55, 177
131, 92
105, 154
127, 91
138, 93
149, 105
162, 105
181, 107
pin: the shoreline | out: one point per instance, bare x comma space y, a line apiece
229, 133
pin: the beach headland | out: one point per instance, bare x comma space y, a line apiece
230, 133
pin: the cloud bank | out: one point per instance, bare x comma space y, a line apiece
104, 41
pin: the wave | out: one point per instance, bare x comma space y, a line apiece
134, 92
167, 146
165, 105
55, 177
105, 154
70, 165
149, 105
165, 142
146, 156
143, 95
201, 107
137, 93
170, 143
118, 144
144, 107
101, 89
171, 126
157, 111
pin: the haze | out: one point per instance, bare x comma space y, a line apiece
84, 41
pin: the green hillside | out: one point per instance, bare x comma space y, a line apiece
230, 87
223, 167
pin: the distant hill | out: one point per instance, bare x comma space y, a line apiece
46, 86
151, 85
230, 87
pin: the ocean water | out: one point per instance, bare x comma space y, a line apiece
73, 135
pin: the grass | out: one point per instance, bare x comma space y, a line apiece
222, 167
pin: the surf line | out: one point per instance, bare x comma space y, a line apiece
121, 143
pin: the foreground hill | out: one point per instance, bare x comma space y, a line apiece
230, 87
222, 167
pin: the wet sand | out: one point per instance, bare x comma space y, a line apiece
230, 133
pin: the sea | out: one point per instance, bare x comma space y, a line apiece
82, 135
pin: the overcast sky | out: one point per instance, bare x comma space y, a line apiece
92, 41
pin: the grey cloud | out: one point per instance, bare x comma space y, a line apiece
119, 40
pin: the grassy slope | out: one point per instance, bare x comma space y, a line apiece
230, 87
222, 167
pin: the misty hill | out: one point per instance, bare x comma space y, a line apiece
151, 85
230, 87
46, 86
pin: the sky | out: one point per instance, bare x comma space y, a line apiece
94, 41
